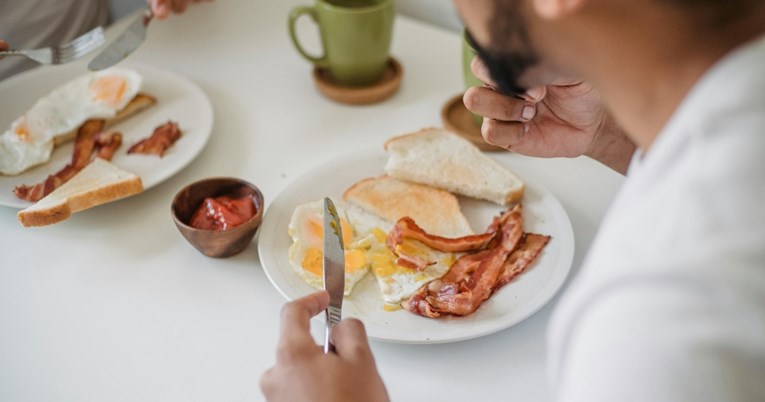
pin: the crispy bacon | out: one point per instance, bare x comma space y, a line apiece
91, 142
521, 258
413, 262
107, 144
472, 278
406, 227
160, 140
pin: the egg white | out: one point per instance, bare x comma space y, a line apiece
308, 242
30, 139
397, 283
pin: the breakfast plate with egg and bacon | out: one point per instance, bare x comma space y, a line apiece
42, 110
397, 270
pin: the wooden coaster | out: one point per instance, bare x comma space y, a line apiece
457, 118
385, 88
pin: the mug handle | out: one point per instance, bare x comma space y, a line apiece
294, 15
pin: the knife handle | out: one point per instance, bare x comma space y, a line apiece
333, 316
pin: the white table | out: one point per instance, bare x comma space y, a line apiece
114, 305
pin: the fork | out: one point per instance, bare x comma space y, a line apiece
65, 53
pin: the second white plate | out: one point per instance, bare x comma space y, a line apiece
178, 99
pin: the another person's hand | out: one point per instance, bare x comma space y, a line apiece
304, 373
162, 8
564, 119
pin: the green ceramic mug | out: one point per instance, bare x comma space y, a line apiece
468, 53
355, 37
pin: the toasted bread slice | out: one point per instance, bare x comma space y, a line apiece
138, 104
437, 211
98, 183
442, 159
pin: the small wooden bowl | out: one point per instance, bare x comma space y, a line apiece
379, 91
216, 243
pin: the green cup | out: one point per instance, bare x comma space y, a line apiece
468, 53
355, 37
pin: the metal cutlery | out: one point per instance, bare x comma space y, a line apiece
62, 54
128, 41
334, 269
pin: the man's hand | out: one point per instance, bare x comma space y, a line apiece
162, 8
304, 373
564, 119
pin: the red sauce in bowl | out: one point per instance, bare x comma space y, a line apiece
223, 212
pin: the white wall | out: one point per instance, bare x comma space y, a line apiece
439, 12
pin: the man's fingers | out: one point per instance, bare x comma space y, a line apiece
488, 103
179, 6
481, 71
535, 94
503, 134
296, 317
160, 8
350, 339
267, 381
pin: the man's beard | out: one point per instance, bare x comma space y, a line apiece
509, 33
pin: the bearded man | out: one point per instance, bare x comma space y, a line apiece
670, 302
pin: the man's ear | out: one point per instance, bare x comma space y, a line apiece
554, 9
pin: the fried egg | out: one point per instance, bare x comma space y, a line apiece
30, 139
306, 228
396, 282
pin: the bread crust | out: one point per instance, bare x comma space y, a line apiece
407, 135
436, 210
46, 213
441, 159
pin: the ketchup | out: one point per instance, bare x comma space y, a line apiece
223, 212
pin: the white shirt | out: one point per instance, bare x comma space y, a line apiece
29, 24
670, 302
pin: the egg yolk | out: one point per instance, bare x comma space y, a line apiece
413, 248
22, 131
313, 258
382, 259
109, 89
316, 232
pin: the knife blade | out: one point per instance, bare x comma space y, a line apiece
333, 266
128, 41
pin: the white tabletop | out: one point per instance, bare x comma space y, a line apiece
114, 305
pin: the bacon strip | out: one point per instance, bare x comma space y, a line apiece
406, 227
107, 144
413, 262
521, 259
472, 278
90, 142
160, 140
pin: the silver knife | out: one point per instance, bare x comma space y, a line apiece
126, 43
334, 269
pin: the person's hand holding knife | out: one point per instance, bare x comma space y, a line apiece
304, 373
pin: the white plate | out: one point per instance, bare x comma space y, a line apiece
521, 298
178, 99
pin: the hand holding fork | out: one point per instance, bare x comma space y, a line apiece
65, 53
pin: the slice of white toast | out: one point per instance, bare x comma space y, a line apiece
436, 211
98, 183
442, 159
